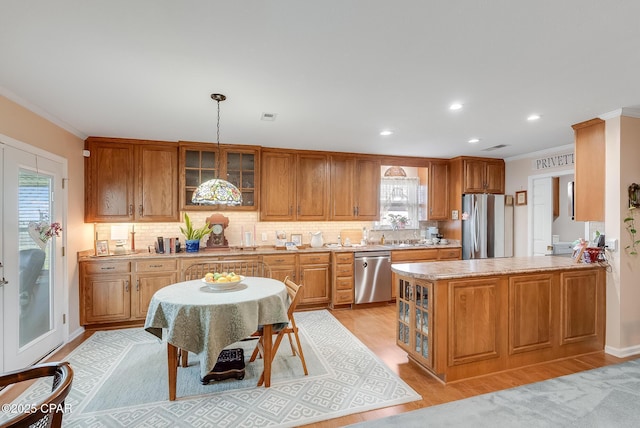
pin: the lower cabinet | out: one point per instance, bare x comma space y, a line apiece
310, 269
414, 306
120, 291
342, 290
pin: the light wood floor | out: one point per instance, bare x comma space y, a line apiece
375, 327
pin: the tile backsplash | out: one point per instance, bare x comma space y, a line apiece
146, 233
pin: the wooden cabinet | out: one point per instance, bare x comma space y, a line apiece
240, 165
105, 290
438, 190
483, 176
131, 180
414, 309
485, 324
150, 276
295, 186
589, 190
310, 269
425, 255
355, 188
314, 274
117, 292
342, 272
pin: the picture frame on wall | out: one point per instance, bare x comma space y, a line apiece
296, 238
102, 248
521, 197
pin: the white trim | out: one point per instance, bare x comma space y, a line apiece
77, 333
622, 352
625, 111
540, 153
40, 112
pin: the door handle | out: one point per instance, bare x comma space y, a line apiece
3, 282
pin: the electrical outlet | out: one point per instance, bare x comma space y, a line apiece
264, 236
611, 244
454, 214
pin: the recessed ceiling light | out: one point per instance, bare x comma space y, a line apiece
474, 140
533, 117
455, 106
386, 132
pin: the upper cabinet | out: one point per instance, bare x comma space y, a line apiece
589, 170
295, 186
131, 180
239, 165
438, 188
355, 188
483, 175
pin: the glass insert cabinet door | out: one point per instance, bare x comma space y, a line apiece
414, 317
200, 163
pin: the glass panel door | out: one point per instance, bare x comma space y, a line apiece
32, 298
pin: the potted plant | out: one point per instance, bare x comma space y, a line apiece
398, 221
193, 236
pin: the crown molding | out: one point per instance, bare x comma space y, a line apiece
625, 111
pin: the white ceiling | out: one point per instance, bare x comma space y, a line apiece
336, 72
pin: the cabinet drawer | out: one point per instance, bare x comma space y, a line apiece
107, 267
344, 269
344, 257
344, 283
342, 297
414, 255
450, 254
156, 265
279, 259
314, 259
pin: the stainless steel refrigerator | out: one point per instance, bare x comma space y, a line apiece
487, 226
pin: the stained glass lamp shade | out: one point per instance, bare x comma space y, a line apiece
217, 192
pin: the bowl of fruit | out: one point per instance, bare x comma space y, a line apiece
222, 280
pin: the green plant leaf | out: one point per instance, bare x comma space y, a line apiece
628, 219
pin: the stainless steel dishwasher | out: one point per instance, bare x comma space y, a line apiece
372, 273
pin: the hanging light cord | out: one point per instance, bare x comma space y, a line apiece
218, 140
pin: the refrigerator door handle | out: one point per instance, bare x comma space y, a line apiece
475, 227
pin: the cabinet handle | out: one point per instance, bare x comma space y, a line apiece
354, 211
137, 284
279, 260
298, 209
130, 209
107, 268
126, 286
140, 210
290, 209
155, 266
357, 211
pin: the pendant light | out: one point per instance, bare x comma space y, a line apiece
217, 191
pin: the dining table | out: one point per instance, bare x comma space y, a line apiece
203, 318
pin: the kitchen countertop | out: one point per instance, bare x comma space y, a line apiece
268, 249
485, 267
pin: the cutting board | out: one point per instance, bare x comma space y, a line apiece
355, 235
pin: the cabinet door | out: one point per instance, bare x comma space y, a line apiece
146, 286
282, 266
106, 298
494, 180
243, 172
474, 178
312, 187
109, 182
315, 280
157, 196
277, 195
367, 189
438, 191
342, 188
589, 170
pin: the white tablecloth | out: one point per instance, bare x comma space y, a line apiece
205, 322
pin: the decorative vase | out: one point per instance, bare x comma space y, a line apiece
316, 239
192, 245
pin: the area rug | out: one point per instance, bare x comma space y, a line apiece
121, 380
603, 397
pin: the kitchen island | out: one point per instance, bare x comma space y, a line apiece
460, 319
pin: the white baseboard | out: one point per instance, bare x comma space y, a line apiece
75, 334
622, 352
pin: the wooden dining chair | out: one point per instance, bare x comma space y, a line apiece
240, 267
295, 294
49, 411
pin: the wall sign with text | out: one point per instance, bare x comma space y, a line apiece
553, 161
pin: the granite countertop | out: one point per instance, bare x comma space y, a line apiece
486, 267
267, 249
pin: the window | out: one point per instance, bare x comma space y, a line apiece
398, 203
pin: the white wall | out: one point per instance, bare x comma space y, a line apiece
567, 229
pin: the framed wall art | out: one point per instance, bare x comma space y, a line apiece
521, 197
102, 248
